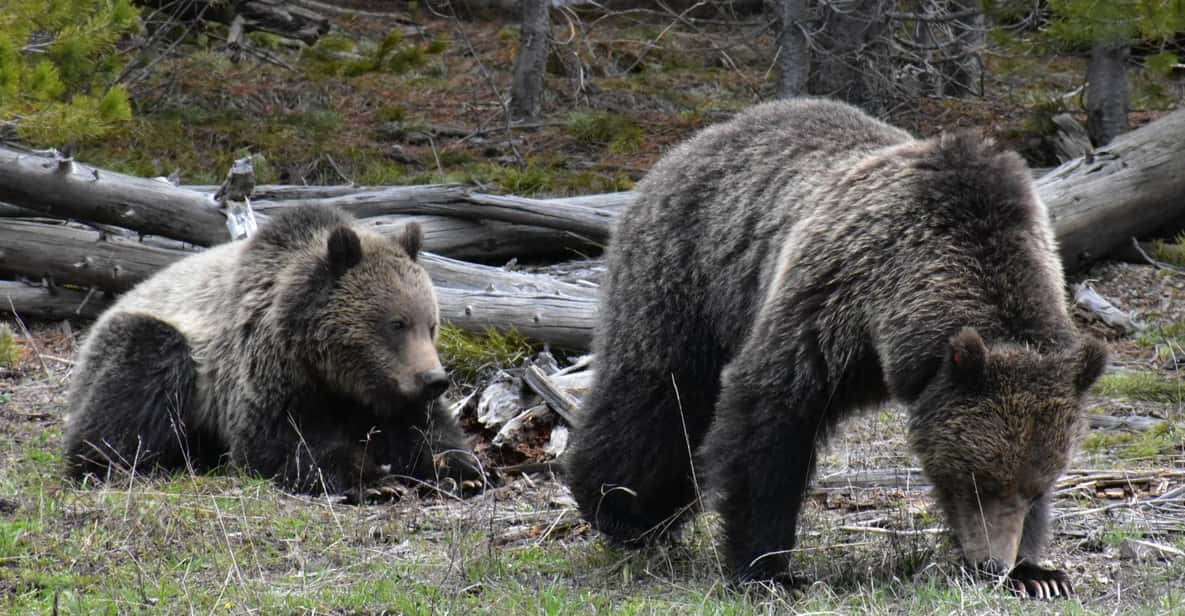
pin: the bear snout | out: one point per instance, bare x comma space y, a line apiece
432, 383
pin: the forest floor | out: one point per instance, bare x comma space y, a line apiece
225, 543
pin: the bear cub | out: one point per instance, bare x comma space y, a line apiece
800, 262
305, 354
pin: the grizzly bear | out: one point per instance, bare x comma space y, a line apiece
803, 261
306, 354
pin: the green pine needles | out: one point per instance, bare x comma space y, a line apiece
59, 61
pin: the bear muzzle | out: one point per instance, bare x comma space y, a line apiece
432, 383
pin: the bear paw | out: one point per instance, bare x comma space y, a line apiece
1036, 582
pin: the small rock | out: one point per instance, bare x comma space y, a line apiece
1144, 551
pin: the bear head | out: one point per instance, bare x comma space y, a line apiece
369, 311
994, 429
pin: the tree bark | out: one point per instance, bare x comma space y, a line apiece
32, 301
565, 322
526, 91
456, 201
1133, 187
1107, 91
473, 297
793, 55
68, 189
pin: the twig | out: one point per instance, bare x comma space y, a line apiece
29, 337
1168, 267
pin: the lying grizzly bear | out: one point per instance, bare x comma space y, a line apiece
306, 353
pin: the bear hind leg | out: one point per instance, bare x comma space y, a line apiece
631, 469
130, 409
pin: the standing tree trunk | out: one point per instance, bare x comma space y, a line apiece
965, 72
526, 93
793, 56
1107, 91
839, 67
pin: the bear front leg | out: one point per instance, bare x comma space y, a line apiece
768, 422
451, 456
314, 460
131, 402
1028, 578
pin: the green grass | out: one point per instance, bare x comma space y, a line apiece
1164, 439
1172, 252
468, 356
1144, 386
620, 133
10, 351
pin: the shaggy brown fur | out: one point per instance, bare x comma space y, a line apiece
800, 262
305, 353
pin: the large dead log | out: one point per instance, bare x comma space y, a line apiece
68, 189
41, 302
473, 297
456, 201
66, 254
1132, 187
560, 321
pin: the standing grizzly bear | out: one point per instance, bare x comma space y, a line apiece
305, 353
803, 261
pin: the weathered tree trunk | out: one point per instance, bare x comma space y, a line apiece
1107, 91
519, 227
1133, 187
456, 201
68, 189
30, 301
793, 55
964, 75
565, 322
472, 296
526, 91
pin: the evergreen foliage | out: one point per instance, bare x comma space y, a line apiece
1082, 23
59, 61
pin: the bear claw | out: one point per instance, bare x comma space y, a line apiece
1036, 582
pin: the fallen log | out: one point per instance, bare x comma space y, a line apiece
66, 254
64, 188
471, 296
456, 201
42, 302
565, 322
1132, 187
485, 241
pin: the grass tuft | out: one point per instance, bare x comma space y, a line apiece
1171, 252
468, 356
1143, 386
1164, 439
620, 133
10, 351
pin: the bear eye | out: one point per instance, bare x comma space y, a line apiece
398, 324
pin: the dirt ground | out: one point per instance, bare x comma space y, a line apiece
236, 545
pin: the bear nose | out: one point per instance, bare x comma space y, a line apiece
433, 383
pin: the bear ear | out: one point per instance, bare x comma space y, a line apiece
411, 239
1090, 359
345, 249
967, 357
